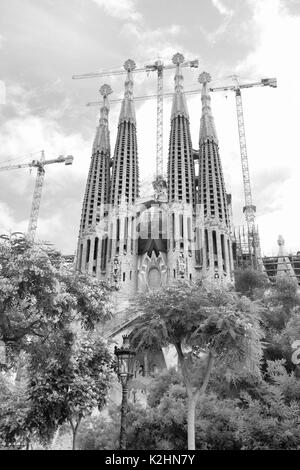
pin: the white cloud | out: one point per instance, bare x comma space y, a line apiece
222, 9
227, 14
272, 122
8, 222
122, 9
21, 140
162, 43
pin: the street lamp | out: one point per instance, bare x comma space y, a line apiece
125, 363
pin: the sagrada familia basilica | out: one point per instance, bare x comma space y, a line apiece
182, 231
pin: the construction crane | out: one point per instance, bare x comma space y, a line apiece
37, 194
249, 208
159, 67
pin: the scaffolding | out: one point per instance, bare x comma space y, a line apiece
272, 265
245, 253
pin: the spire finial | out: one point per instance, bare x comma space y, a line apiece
127, 108
105, 90
101, 140
204, 78
129, 65
280, 240
207, 126
179, 107
178, 58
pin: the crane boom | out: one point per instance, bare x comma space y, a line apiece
37, 194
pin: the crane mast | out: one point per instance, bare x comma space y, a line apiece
249, 208
37, 194
36, 200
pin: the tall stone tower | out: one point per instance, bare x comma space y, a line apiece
96, 195
217, 253
124, 191
181, 184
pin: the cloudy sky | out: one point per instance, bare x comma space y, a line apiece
44, 42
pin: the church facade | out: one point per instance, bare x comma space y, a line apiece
181, 231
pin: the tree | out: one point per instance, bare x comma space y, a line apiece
14, 410
67, 381
41, 301
250, 282
281, 308
208, 325
39, 295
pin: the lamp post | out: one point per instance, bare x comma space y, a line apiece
125, 363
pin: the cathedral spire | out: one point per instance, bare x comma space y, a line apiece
96, 195
181, 175
125, 172
217, 253
101, 141
207, 124
127, 109
179, 107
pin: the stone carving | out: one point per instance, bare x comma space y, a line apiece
160, 189
149, 266
204, 77
116, 272
105, 90
129, 65
181, 262
177, 58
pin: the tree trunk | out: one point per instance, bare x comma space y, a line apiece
74, 432
192, 401
74, 439
193, 396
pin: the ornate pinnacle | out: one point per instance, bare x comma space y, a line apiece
129, 65
280, 240
177, 58
105, 90
204, 77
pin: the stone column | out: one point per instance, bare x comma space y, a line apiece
99, 259
91, 260
219, 253
228, 270
83, 259
211, 250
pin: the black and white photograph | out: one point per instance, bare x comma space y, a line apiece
149, 228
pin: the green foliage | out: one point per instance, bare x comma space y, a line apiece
39, 295
280, 318
67, 383
265, 416
250, 282
98, 433
14, 431
42, 303
204, 318
158, 387
268, 423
